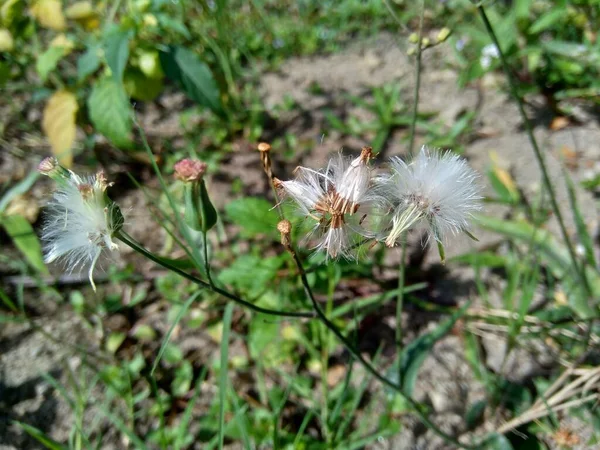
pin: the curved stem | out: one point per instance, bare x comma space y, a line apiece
128, 240
366, 364
413, 125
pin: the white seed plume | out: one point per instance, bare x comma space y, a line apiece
331, 197
437, 189
80, 220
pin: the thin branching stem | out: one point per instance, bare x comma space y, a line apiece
415, 111
366, 364
129, 241
536, 149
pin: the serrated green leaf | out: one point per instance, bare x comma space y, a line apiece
116, 52
254, 215
184, 67
110, 111
48, 61
26, 240
88, 63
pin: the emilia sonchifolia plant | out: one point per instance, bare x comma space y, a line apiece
346, 203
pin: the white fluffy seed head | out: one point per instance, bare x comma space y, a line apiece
80, 223
437, 189
332, 198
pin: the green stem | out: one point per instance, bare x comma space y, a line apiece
369, 368
400, 303
128, 240
536, 149
413, 125
206, 261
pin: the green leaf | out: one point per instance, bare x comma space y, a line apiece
182, 382
19, 189
251, 274
26, 240
184, 67
48, 61
497, 442
200, 214
110, 112
547, 20
170, 24
41, 437
414, 354
88, 63
556, 256
582, 232
474, 414
140, 87
254, 215
116, 52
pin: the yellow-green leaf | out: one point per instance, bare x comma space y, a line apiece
49, 14
59, 125
6, 40
80, 11
25, 240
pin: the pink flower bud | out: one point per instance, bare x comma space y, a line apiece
188, 170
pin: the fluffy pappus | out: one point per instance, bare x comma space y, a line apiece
80, 221
436, 189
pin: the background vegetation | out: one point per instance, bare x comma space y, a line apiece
151, 361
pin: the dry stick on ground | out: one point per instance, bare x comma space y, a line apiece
556, 398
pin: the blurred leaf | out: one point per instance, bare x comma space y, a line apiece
140, 87
6, 40
497, 442
41, 437
254, 215
88, 63
482, 259
26, 240
80, 10
116, 51
503, 185
547, 20
58, 123
18, 189
49, 14
182, 382
582, 232
110, 111
251, 274
414, 354
47, 61
144, 333
260, 334
556, 256
165, 341
184, 67
475, 413
170, 24
114, 341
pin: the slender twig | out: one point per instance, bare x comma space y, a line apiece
536, 149
128, 240
356, 353
413, 125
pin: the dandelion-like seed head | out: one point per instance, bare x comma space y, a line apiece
80, 220
437, 188
331, 197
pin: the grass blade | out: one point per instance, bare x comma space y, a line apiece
223, 371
